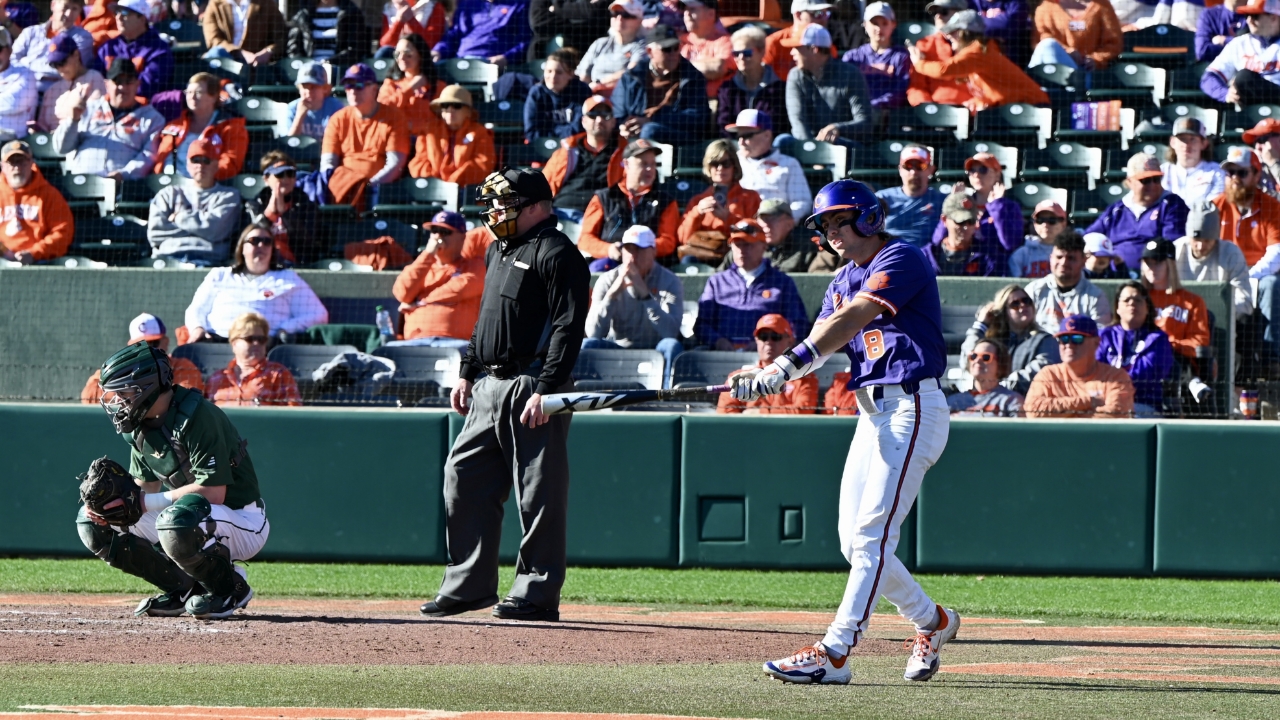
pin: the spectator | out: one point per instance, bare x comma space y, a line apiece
1010, 319
1147, 211
32, 48
827, 100
1265, 140
333, 30
457, 148
38, 222
99, 21
193, 221
608, 58
316, 99
1100, 261
845, 25
1000, 221
1079, 386
584, 162
1079, 34
366, 143
203, 117
412, 85
250, 379
141, 45
66, 60
1202, 256
292, 215
935, 48
993, 79
885, 66
16, 16
1007, 22
803, 14
754, 86
788, 246
1031, 260
735, 299
257, 283
554, 108
662, 99
1217, 26
704, 232
1066, 291
1190, 176
248, 31
18, 93
1180, 313
638, 304
1246, 71
634, 201
111, 135
959, 253
1134, 344
402, 18
987, 363
149, 329
1250, 217
839, 399
914, 208
496, 31
774, 336
1136, 14
578, 22
439, 292
765, 169
706, 43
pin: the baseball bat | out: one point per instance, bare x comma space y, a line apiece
558, 403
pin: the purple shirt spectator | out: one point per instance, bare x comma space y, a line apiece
1214, 21
23, 14
1146, 356
1010, 24
887, 73
730, 308
1000, 222
148, 52
1129, 232
983, 260
483, 29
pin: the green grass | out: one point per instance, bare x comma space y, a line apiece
1125, 599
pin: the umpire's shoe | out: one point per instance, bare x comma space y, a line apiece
514, 608
444, 607
217, 607
170, 604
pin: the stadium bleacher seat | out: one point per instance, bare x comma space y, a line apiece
505, 118
1017, 123
1030, 194
305, 151
684, 189
1164, 46
227, 69
1063, 84
910, 32
163, 263
78, 262
1157, 125
822, 162
209, 357
930, 124
424, 375
415, 200
47, 159
571, 229
1008, 155
185, 37
1235, 122
89, 196
1114, 171
248, 185
1060, 165
405, 235
302, 360
477, 76
1184, 84
877, 163
382, 67
1086, 205
136, 195
599, 369
113, 239
339, 265
688, 160
700, 368
263, 116
1104, 139
1136, 85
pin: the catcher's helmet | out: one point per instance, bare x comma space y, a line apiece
851, 195
131, 381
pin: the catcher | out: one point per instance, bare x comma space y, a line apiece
187, 507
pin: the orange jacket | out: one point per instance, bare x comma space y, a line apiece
231, 128
778, 57
415, 105
1253, 232
185, 373
565, 160
1096, 35
799, 397
924, 89
839, 400
477, 242
1182, 316
271, 384
35, 218
590, 242
741, 203
446, 296
465, 157
100, 21
1058, 392
993, 78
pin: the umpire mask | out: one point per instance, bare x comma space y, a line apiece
131, 381
506, 193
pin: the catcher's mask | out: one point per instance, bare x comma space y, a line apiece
506, 193
131, 381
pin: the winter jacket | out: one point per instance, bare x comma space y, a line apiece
445, 296
269, 384
551, 114
106, 140
564, 162
943, 91
778, 57
465, 156
798, 397
1057, 392
1129, 233
993, 78
354, 42
887, 73
839, 98
1029, 353
1225, 263
427, 22
226, 125
414, 104
688, 113
1184, 318
770, 96
150, 54
613, 210
1244, 52
35, 218
1254, 233
1097, 35
264, 27
1146, 356
630, 321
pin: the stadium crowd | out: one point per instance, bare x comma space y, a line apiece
627, 91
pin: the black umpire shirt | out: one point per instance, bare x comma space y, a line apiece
536, 293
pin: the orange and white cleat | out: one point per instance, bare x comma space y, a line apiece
924, 662
810, 665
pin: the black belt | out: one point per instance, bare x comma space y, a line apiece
511, 370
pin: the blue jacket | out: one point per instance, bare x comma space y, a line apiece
1166, 219
689, 111
1148, 361
484, 28
1215, 21
547, 114
731, 308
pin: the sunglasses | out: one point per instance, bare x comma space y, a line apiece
978, 170
981, 357
624, 16
769, 336
720, 164
355, 85
1048, 220
820, 13
258, 240
1263, 140
201, 160
744, 53
747, 136
965, 224
1021, 303
287, 172
668, 50
254, 339
1072, 339
598, 115
451, 106
1152, 181
1237, 173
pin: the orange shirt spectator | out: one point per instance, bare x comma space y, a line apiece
1095, 33
477, 242
455, 147
1181, 314
774, 336
36, 220
100, 21
1258, 228
840, 400
993, 78
707, 45
1079, 386
924, 89
777, 55
409, 89
439, 292
203, 114
634, 201
250, 378
366, 142
149, 329
720, 206
564, 162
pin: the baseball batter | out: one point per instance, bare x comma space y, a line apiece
187, 506
883, 310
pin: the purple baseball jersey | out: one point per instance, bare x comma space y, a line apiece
904, 344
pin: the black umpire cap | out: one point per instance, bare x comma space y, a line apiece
529, 185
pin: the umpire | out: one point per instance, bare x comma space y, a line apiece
532, 319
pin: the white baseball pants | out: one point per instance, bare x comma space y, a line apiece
891, 451
242, 531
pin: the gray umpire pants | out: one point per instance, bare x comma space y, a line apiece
494, 453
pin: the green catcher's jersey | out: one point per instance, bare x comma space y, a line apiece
197, 431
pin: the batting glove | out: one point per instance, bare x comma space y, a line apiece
795, 363
740, 385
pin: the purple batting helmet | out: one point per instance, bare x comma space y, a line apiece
868, 214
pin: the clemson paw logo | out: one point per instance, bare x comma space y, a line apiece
877, 281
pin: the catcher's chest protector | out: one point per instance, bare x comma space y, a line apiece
163, 451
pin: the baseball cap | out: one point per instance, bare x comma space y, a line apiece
640, 146
746, 231
14, 147
142, 7
713, 4
967, 20
1260, 7
1269, 126
359, 73
122, 67
594, 102
773, 206
810, 6
959, 207
952, 5
1142, 166
62, 47
446, 220
1077, 324
914, 153
210, 147
1204, 222
634, 8
879, 9
1098, 244
1158, 249
985, 159
751, 119
312, 73
664, 37
1242, 156
1188, 126
776, 323
1049, 206
640, 236
813, 35
146, 327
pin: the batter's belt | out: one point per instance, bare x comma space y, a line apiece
867, 396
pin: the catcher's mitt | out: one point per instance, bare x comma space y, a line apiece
105, 483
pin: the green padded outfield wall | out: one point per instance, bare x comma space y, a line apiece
1040, 496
